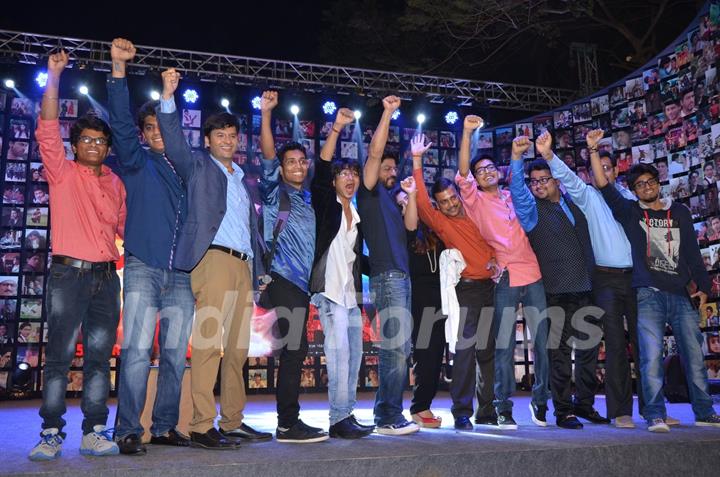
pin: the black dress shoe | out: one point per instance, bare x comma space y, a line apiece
131, 445
212, 439
172, 438
592, 416
463, 423
246, 433
354, 420
347, 429
569, 421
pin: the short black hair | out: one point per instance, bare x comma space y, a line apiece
441, 185
147, 109
291, 146
89, 121
639, 169
539, 165
391, 155
24, 324
477, 159
220, 120
613, 159
339, 165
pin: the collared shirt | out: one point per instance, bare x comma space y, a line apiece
87, 210
494, 215
524, 201
295, 248
234, 230
339, 282
609, 242
456, 232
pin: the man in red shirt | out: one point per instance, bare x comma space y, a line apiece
83, 290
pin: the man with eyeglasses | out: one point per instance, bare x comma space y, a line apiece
336, 281
671, 283
612, 287
492, 211
83, 290
558, 233
284, 173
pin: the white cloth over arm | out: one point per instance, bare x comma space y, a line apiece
452, 264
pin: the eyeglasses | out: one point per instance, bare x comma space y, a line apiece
99, 141
542, 180
648, 183
485, 169
348, 174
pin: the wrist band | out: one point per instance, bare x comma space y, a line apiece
335, 130
50, 97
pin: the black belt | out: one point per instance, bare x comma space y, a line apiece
83, 264
474, 280
241, 255
613, 270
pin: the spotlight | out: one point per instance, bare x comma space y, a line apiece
295, 109
357, 113
396, 114
84, 90
9, 83
154, 95
225, 103
451, 117
421, 118
256, 101
329, 107
41, 79
21, 377
190, 96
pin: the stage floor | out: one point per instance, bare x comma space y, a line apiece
598, 450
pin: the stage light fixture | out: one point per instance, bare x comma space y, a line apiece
451, 117
84, 90
329, 107
225, 103
190, 96
41, 79
256, 101
154, 95
357, 113
421, 118
9, 83
396, 114
295, 109
21, 377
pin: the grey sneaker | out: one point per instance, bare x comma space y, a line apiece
658, 425
99, 442
710, 421
49, 447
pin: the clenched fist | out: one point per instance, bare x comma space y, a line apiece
170, 78
268, 101
391, 103
344, 117
122, 50
593, 138
408, 185
57, 63
543, 145
519, 145
473, 122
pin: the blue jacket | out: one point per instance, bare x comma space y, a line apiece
207, 193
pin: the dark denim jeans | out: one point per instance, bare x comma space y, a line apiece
148, 291
391, 291
88, 300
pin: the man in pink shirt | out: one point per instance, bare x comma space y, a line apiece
491, 209
83, 291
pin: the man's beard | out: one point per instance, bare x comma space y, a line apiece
650, 200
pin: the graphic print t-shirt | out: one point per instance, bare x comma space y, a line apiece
663, 253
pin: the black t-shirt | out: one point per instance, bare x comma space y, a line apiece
383, 229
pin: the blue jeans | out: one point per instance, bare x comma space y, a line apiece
343, 352
87, 299
148, 291
506, 301
391, 291
655, 308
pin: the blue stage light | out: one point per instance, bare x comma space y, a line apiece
190, 96
396, 114
329, 107
256, 102
421, 118
41, 79
451, 117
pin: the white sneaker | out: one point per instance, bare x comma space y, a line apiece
658, 425
398, 429
49, 447
98, 443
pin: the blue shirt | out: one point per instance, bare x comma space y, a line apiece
295, 248
524, 201
156, 198
234, 230
609, 242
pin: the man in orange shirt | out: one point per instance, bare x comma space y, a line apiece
474, 292
83, 291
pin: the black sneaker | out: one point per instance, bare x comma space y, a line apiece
463, 423
569, 421
359, 424
300, 433
490, 421
131, 445
538, 413
592, 415
505, 421
347, 429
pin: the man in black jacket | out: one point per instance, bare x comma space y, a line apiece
335, 280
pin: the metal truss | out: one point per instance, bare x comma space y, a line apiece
34, 48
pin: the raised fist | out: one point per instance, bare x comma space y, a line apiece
170, 78
122, 50
473, 122
268, 101
543, 144
519, 145
344, 117
418, 146
408, 185
57, 62
391, 103
593, 137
